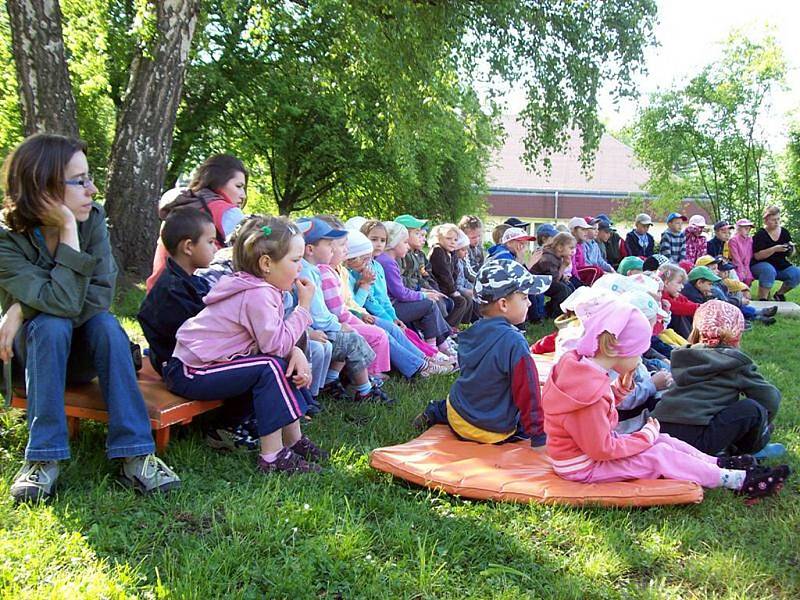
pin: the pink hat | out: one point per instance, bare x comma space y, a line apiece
715, 317
744, 223
614, 315
698, 221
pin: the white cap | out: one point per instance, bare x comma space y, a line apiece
515, 233
578, 222
698, 221
355, 223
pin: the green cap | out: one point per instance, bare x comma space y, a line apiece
703, 273
410, 222
630, 263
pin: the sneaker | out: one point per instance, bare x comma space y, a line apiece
335, 390
308, 450
764, 481
769, 312
741, 462
779, 298
374, 395
287, 462
432, 368
772, 450
314, 407
147, 474
230, 438
35, 481
765, 320
422, 422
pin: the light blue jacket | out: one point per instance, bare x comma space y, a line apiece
376, 302
593, 255
322, 318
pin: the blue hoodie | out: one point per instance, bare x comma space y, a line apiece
499, 251
498, 388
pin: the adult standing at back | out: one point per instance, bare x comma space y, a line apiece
219, 187
772, 247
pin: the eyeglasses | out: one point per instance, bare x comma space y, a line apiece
84, 182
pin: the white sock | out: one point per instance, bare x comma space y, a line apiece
732, 479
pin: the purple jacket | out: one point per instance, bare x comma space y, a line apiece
398, 292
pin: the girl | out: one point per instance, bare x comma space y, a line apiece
556, 257
444, 271
681, 308
741, 249
240, 343
695, 238
219, 187
719, 403
583, 271
580, 415
57, 278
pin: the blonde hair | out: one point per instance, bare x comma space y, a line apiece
607, 344
771, 211
262, 235
469, 222
368, 226
725, 336
669, 272
561, 240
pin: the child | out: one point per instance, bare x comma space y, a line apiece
581, 270
592, 251
473, 227
740, 247
630, 265
554, 262
349, 349
415, 266
189, 236
496, 396
639, 242
720, 403
580, 415
700, 285
608, 239
680, 307
652, 263
673, 240
463, 284
718, 245
498, 231
443, 269
695, 238
720, 291
512, 245
240, 343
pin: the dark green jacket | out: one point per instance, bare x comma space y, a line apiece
74, 285
709, 379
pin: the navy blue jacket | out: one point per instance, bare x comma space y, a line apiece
715, 246
498, 388
634, 246
176, 296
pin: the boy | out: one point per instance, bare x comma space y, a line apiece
720, 291
673, 240
639, 242
608, 239
473, 227
415, 266
592, 253
497, 395
512, 245
700, 284
630, 265
349, 348
718, 245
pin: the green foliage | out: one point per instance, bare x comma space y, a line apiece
11, 129
706, 139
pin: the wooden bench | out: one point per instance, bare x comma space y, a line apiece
164, 408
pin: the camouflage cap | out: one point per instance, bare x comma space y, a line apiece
502, 277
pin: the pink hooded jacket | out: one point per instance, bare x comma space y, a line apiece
579, 403
243, 316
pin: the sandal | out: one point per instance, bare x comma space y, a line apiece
764, 481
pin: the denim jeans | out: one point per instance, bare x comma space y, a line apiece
53, 352
767, 274
319, 355
404, 355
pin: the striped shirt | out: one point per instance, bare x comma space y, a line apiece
673, 245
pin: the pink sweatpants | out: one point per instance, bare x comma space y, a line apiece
421, 344
379, 342
668, 457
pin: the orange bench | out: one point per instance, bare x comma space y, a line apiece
164, 408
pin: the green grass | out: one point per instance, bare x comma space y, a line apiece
355, 533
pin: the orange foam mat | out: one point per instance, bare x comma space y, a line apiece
514, 472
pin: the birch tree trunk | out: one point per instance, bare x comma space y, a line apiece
142, 142
44, 86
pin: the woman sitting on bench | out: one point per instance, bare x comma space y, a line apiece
57, 278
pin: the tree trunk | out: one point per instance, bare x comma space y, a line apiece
140, 152
44, 86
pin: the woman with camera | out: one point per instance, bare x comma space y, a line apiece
772, 246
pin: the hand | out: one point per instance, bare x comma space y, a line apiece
626, 380
317, 336
367, 278
368, 319
346, 328
56, 214
305, 292
298, 368
662, 380
9, 326
433, 295
400, 324
655, 424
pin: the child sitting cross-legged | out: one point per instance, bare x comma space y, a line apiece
580, 415
350, 349
496, 396
241, 344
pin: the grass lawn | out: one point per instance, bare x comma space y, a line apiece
355, 533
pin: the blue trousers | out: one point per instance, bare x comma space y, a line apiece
53, 352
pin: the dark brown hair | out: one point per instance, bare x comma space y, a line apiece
497, 232
34, 172
215, 171
259, 236
469, 222
184, 223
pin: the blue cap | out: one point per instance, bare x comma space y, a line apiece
602, 217
320, 230
672, 216
546, 229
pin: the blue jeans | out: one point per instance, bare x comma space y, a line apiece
767, 274
404, 356
319, 355
53, 352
